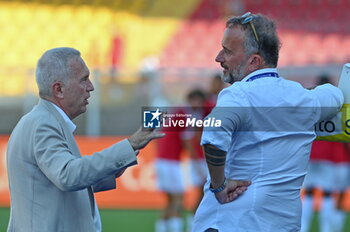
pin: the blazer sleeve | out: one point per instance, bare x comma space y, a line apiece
109, 182
105, 184
71, 172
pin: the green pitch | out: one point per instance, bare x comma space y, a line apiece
112, 220
134, 220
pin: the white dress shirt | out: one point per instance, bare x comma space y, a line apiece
267, 130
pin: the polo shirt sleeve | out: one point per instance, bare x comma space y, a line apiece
230, 111
330, 98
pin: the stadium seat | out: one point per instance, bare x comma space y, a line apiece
330, 44
309, 15
344, 49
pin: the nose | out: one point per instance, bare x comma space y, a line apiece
90, 86
219, 58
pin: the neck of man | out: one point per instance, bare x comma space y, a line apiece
57, 102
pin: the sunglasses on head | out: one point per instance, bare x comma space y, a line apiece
248, 18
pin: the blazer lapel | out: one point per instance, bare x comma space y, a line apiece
67, 133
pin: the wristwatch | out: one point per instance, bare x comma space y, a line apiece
220, 188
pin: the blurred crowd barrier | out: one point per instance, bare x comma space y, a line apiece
115, 105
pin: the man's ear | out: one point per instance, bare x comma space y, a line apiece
58, 89
255, 62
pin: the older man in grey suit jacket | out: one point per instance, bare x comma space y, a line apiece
51, 184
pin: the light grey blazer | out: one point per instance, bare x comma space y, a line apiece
50, 183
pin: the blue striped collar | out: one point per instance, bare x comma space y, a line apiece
266, 72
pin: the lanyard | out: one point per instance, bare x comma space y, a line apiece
269, 74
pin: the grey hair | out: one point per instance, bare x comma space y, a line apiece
268, 45
54, 66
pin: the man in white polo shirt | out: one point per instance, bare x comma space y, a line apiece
258, 158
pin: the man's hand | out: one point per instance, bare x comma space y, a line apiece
142, 137
233, 189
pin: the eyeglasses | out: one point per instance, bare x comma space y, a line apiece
248, 18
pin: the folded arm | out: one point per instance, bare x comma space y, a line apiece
225, 190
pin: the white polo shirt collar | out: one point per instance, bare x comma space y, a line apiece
259, 72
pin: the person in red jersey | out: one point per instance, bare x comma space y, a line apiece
216, 85
170, 176
329, 170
